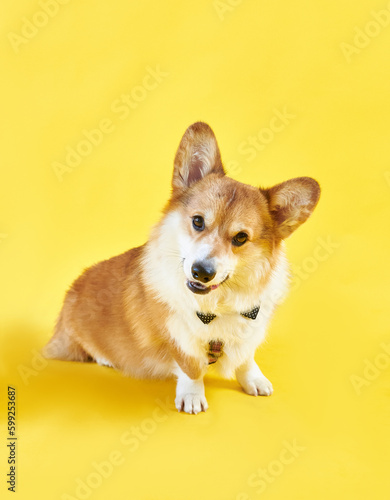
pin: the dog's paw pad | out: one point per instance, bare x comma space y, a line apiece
191, 403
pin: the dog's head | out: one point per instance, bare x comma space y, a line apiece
230, 232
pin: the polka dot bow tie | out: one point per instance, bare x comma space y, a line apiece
207, 318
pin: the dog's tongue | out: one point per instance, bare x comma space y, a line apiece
215, 350
200, 286
215, 346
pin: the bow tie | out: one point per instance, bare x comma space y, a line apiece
206, 318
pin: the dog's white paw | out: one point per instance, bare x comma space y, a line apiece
252, 380
191, 403
259, 386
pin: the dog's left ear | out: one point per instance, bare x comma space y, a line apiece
197, 156
291, 203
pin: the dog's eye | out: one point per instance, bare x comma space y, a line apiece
239, 239
198, 222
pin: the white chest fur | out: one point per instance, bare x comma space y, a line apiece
241, 336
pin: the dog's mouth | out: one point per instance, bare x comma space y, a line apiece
200, 288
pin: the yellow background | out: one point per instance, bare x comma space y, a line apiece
231, 64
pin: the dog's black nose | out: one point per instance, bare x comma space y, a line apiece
203, 271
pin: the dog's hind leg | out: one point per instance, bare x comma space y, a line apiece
63, 346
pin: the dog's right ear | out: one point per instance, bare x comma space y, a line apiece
197, 156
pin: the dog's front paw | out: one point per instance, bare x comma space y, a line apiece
259, 386
191, 403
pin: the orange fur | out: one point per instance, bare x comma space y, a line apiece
113, 314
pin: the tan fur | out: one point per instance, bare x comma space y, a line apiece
113, 314
105, 317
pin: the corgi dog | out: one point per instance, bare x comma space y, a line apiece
200, 291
